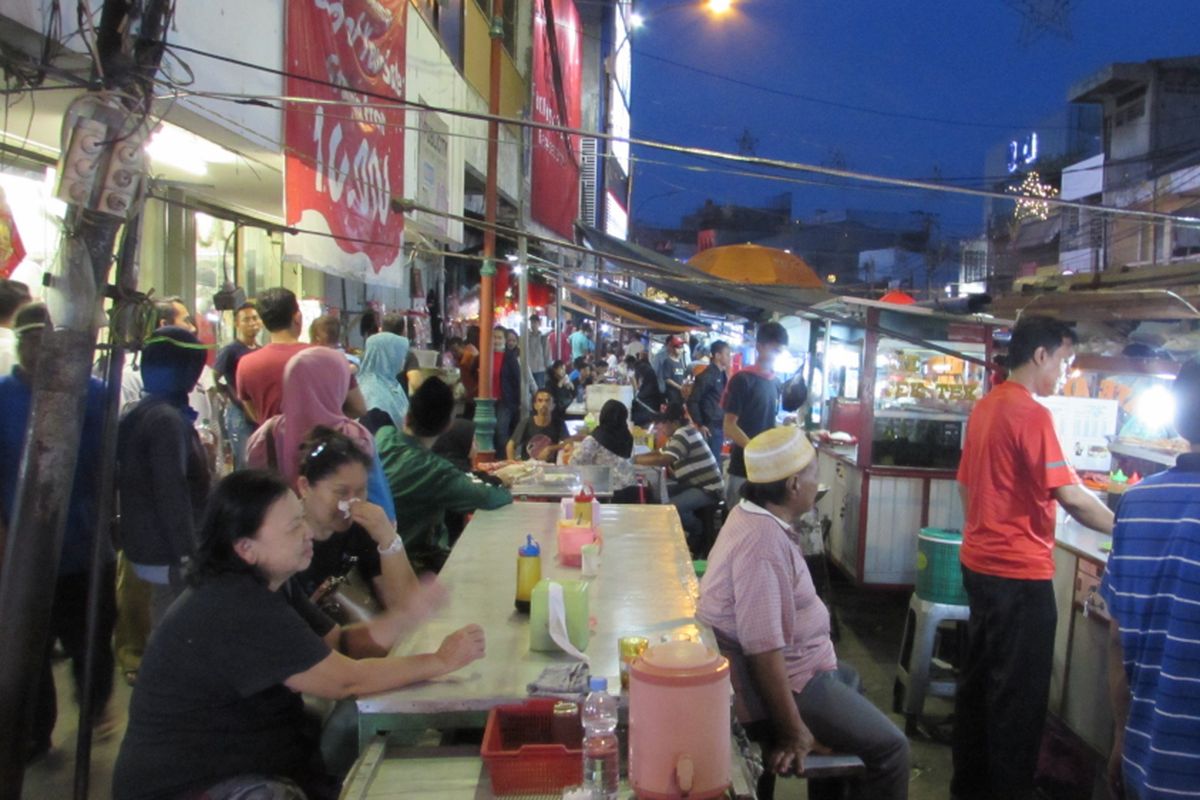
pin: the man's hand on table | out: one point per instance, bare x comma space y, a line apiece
462, 647
787, 757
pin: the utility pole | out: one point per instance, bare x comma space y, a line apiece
102, 168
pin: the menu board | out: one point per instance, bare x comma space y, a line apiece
1084, 427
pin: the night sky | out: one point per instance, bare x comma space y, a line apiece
976, 66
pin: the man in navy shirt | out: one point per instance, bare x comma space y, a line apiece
751, 404
1152, 588
704, 404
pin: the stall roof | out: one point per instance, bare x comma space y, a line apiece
645, 314
694, 286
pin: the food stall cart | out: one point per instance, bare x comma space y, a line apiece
904, 406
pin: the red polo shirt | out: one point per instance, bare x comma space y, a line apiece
1011, 464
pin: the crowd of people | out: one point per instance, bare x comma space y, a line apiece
216, 584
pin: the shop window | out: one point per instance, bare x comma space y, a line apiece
216, 251
37, 218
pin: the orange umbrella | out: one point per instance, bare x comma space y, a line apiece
898, 298
752, 263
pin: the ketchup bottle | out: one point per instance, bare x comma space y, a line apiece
583, 506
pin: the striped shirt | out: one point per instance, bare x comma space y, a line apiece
1152, 588
694, 465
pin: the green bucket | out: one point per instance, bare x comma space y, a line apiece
939, 573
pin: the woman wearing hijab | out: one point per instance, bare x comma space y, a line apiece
382, 361
162, 466
315, 384
611, 445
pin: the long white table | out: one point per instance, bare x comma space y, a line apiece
645, 587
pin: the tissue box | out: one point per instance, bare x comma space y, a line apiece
575, 600
571, 539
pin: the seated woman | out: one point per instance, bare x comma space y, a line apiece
217, 707
348, 529
539, 436
611, 445
759, 598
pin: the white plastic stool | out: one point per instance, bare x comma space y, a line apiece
919, 643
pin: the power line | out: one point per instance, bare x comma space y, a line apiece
665, 146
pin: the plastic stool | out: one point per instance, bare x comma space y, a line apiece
916, 657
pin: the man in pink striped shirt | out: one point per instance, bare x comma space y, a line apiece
759, 598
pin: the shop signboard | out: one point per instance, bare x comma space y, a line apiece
433, 179
345, 151
557, 74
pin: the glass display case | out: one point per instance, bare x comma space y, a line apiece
921, 403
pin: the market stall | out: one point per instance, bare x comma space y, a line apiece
897, 387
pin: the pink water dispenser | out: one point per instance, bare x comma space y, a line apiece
679, 702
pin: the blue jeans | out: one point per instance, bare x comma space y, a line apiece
238, 430
687, 503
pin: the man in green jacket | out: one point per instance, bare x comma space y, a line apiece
425, 485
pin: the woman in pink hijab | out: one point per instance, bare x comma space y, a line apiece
315, 384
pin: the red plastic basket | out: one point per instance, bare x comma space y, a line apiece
520, 754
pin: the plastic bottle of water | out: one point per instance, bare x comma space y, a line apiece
601, 752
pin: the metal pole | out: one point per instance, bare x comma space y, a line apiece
558, 296
523, 304
485, 405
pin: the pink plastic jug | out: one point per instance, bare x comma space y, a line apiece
679, 701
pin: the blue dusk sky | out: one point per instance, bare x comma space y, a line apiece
914, 89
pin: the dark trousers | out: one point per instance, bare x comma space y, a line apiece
506, 420
1003, 688
68, 625
716, 441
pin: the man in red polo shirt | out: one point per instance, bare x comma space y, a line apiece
1012, 472
259, 377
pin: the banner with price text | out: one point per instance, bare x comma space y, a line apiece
344, 153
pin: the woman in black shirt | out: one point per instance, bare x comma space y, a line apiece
217, 708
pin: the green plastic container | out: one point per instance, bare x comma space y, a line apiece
939, 573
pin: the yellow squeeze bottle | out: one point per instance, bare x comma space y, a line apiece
529, 572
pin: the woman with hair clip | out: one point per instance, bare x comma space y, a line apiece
349, 531
217, 711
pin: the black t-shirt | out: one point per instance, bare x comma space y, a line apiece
647, 380
337, 555
527, 429
210, 702
227, 361
754, 400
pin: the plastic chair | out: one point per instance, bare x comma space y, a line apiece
914, 678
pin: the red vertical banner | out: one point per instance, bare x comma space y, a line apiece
554, 200
345, 151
